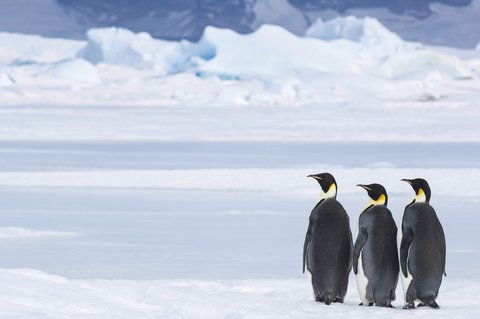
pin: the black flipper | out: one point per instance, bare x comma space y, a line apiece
308, 236
407, 238
357, 248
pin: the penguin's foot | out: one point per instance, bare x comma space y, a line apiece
338, 299
369, 304
410, 305
432, 304
326, 300
384, 304
421, 305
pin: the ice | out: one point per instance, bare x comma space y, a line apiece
268, 51
373, 38
426, 62
339, 61
138, 50
21, 49
75, 70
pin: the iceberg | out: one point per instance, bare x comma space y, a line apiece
271, 50
123, 47
339, 61
371, 37
21, 49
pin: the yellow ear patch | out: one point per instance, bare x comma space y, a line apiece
332, 188
380, 201
420, 197
331, 193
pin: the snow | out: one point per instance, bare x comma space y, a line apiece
34, 294
149, 179
96, 233
75, 70
19, 232
248, 179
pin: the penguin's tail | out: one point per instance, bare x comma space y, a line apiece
431, 303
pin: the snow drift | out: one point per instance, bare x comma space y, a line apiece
29, 293
74, 70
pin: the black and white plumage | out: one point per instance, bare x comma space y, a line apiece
375, 256
422, 248
327, 251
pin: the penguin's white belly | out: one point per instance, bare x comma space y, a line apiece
362, 281
406, 281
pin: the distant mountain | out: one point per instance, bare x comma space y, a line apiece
417, 8
168, 19
441, 22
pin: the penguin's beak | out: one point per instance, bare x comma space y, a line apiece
407, 180
364, 187
315, 176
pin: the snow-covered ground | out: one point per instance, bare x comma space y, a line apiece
146, 179
48, 296
207, 229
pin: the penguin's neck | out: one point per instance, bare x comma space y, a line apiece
420, 197
380, 201
331, 193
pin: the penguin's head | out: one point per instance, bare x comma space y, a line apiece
421, 188
327, 183
377, 193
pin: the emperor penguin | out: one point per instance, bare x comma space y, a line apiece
422, 248
327, 250
375, 256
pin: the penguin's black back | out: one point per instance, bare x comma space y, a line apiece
427, 252
329, 249
379, 253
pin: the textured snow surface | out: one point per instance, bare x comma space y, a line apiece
19, 232
252, 180
210, 230
26, 293
441, 121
